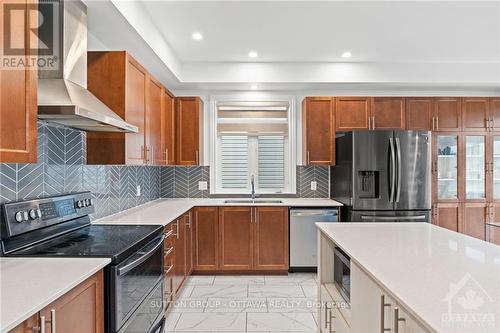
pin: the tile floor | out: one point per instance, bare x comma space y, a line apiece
246, 304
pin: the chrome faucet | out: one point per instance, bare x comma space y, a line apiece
252, 182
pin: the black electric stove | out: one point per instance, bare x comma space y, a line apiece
59, 226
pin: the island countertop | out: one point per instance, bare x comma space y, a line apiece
27, 285
422, 265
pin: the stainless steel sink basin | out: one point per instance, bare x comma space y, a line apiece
250, 201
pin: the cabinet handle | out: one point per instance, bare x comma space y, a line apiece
397, 319
437, 123
53, 321
169, 269
383, 305
308, 158
251, 214
369, 123
330, 322
373, 123
166, 155
492, 123
177, 229
142, 152
170, 249
256, 215
42, 324
326, 315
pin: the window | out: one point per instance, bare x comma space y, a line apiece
252, 141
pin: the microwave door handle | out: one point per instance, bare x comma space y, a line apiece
141, 259
392, 170
398, 150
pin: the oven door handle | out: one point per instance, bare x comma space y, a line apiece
141, 259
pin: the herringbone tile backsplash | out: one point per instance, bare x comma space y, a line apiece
61, 168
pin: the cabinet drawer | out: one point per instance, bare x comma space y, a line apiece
331, 318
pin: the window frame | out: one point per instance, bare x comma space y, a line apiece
290, 147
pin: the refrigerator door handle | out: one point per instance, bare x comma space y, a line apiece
398, 151
392, 218
392, 170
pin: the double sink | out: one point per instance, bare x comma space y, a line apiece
253, 201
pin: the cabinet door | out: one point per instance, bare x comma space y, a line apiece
30, 325
388, 113
474, 221
318, 131
447, 114
168, 128
206, 238
153, 123
445, 168
271, 238
494, 111
494, 175
475, 167
405, 323
79, 310
236, 238
188, 221
475, 114
447, 215
419, 112
180, 255
188, 126
18, 96
493, 233
135, 145
352, 113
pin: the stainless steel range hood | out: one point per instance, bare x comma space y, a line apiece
62, 91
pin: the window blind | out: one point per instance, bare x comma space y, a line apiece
271, 162
234, 161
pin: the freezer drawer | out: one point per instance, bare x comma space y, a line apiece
303, 235
389, 216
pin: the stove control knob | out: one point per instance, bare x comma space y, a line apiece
39, 213
84, 203
87, 201
33, 214
19, 217
91, 202
25, 216
79, 204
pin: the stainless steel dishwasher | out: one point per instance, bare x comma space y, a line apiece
304, 238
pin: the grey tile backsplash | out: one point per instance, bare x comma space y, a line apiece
61, 168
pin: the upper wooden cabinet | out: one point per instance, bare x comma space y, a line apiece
388, 113
205, 239
189, 111
168, 128
447, 114
126, 87
494, 111
352, 113
18, 97
419, 112
475, 114
318, 131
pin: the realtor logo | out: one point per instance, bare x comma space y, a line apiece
469, 306
30, 35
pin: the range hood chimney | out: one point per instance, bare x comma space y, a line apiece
62, 91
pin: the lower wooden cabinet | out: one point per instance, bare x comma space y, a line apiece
469, 218
493, 233
79, 310
188, 222
447, 215
474, 220
205, 239
236, 228
271, 238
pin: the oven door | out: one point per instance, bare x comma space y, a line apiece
133, 280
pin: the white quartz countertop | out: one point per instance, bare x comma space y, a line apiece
424, 266
164, 211
27, 285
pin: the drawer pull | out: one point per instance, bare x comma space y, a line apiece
383, 305
170, 249
169, 269
169, 233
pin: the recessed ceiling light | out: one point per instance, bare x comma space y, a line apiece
197, 36
346, 54
254, 87
253, 54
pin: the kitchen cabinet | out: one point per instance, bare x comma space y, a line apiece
447, 215
419, 112
188, 221
188, 112
475, 167
318, 131
330, 318
474, 220
79, 310
271, 238
388, 113
206, 239
352, 113
494, 111
447, 114
447, 167
168, 127
18, 91
493, 233
126, 87
475, 114
236, 229
169, 262
179, 255
253, 238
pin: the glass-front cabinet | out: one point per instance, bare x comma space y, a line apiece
496, 166
446, 167
475, 167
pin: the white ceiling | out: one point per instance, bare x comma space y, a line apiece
400, 44
305, 31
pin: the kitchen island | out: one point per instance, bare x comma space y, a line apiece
406, 277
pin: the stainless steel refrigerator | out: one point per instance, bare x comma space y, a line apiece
383, 176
